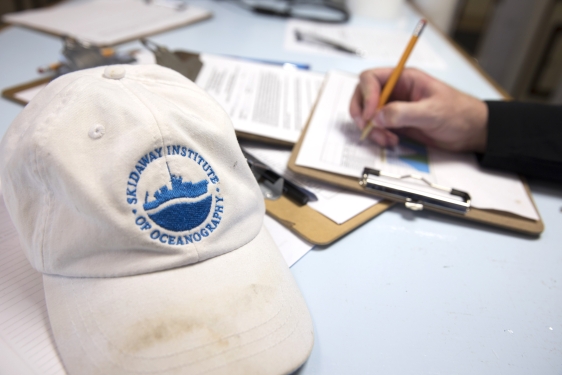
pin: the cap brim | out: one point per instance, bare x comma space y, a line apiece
238, 313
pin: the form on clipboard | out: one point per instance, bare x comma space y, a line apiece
420, 177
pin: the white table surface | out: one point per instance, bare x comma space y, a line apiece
406, 293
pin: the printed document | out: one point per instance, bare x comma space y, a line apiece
261, 99
332, 144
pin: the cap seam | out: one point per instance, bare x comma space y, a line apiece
145, 80
48, 210
76, 332
291, 308
41, 180
201, 346
161, 140
48, 192
49, 195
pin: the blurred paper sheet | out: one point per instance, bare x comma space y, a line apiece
381, 45
28, 94
292, 247
107, 22
332, 144
24, 323
261, 99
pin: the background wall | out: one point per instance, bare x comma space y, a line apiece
517, 42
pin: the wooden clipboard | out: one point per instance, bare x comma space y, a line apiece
315, 227
11, 92
492, 217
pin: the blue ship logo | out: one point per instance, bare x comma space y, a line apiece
175, 212
180, 216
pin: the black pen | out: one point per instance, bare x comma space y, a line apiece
293, 191
316, 39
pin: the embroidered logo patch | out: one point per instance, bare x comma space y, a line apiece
175, 195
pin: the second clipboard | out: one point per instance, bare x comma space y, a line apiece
491, 217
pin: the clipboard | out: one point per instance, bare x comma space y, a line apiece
130, 20
10, 93
302, 219
500, 219
286, 200
314, 227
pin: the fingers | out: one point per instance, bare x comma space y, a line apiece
412, 109
356, 108
383, 138
416, 135
369, 88
396, 115
365, 99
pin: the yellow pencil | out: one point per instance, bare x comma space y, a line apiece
387, 90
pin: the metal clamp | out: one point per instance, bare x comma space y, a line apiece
414, 199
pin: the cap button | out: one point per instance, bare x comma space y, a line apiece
114, 72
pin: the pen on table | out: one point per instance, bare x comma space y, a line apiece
301, 66
174, 4
293, 191
316, 39
49, 68
106, 52
389, 86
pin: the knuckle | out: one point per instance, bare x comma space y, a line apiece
391, 115
365, 74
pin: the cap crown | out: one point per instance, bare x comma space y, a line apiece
114, 177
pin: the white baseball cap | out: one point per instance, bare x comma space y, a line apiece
132, 197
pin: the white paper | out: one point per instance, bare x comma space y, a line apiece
292, 247
106, 22
261, 99
337, 204
28, 94
496, 190
332, 144
24, 324
381, 45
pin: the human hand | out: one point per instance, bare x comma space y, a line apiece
421, 108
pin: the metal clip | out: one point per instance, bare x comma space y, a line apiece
414, 206
414, 199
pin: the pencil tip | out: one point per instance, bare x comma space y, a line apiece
420, 26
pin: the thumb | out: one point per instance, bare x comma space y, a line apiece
396, 115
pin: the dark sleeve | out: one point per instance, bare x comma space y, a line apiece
525, 138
